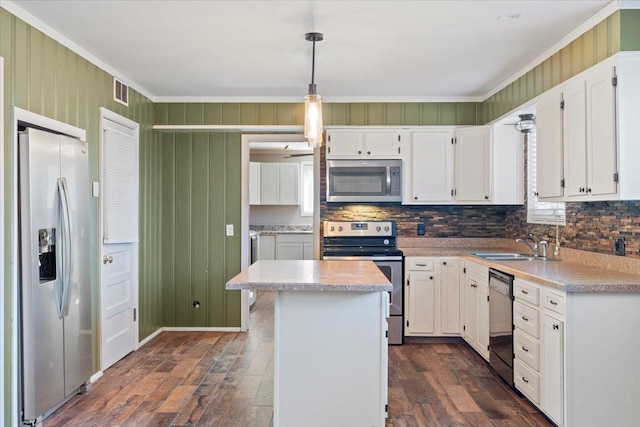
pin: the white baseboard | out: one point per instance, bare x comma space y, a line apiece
202, 329
149, 338
95, 377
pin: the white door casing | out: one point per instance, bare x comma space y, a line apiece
119, 237
2, 379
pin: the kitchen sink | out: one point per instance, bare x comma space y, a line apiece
506, 256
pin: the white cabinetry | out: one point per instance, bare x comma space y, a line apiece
254, 183
526, 339
266, 247
598, 118
432, 296
552, 335
279, 183
294, 246
476, 307
473, 164
430, 169
358, 143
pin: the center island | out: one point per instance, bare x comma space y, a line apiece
330, 347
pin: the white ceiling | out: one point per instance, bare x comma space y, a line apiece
255, 50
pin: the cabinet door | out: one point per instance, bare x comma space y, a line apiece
289, 250
549, 156
450, 296
601, 132
575, 140
473, 164
288, 184
266, 247
307, 250
344, 144
469, 332
483, 320
269, 183
254, 183
421, 316
431, 167
381, 144
552, 367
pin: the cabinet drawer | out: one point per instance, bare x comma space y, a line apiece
527, 381
526, 349
554, 302
420, 264
295, 238
527, 319
526, 291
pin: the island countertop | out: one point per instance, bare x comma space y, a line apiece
349, 276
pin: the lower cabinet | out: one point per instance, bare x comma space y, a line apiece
475, 329
552, 336
266, 247
432, 296
294, 246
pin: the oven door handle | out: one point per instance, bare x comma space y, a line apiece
362, 258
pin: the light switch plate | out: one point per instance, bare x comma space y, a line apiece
95, 188
229, 230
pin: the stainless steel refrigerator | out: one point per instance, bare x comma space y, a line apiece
55, 284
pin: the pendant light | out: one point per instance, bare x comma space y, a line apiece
313, 101
526, 124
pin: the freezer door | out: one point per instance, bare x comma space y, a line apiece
42, 326
77, 302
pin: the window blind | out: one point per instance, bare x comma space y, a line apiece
539, 212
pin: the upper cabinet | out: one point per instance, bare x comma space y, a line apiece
254, 183
279, 183
471, 165
357, 144
588, 135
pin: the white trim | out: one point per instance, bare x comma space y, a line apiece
248, 128
106, 114
16, 10
95, 377
325, 99
149, 338
202, 329
609, 9
2, 361
629, 4
20, 115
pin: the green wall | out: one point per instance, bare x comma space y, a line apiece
46, 78
201, 182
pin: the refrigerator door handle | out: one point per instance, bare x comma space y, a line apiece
67, 255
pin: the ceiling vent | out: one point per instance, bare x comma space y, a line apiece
120, 92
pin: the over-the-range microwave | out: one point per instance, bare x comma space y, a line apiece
364, 181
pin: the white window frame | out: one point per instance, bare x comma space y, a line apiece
550, 213
306, 188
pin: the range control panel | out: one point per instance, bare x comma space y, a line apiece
359, 228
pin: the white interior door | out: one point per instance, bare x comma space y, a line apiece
119, 219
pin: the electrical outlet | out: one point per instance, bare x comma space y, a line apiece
420, 230
620, 246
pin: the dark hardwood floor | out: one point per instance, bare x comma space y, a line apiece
226, 379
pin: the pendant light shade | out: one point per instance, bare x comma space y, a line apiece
526, 124
313, 102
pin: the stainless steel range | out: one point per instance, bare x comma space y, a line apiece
374, 241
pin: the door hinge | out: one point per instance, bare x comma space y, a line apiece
135, 314
386, 408
616, 177
488, 348
386, 334
398, 150
513, 327
328, 149
398, 137
453, 192
562, 104
407, 323
487, 297
408, 282
329, 138
614, 81
464, 270
464, 327
562, 183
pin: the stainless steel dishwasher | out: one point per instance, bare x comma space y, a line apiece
501, 324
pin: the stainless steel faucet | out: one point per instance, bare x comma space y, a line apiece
534, 247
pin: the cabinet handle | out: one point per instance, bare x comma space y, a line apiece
525, 380
415, 197
526, 319
581, 189
552, 302
421, 265
474, 285
555, 326
368, 152
359, 152
588, 190
486, 197
430, 277
444, 262
525, 349
524, 292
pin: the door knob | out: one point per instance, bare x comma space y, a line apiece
110, 259
105, 259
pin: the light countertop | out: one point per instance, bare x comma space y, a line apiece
349, 276
571, 277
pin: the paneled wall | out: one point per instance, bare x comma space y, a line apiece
334, 114
46, 78
201, 193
